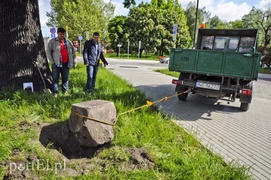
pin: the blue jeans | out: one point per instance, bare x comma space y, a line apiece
64, 71
91, 77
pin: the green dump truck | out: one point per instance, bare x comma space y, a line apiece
224, 65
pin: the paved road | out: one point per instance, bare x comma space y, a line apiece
242, 137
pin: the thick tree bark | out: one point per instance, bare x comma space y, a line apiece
22, 51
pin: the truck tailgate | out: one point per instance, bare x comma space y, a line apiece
218, 63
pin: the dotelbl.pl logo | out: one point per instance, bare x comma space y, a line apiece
38, 165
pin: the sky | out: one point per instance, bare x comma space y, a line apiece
226, 10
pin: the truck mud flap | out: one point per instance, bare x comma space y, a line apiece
179, 88
246, 93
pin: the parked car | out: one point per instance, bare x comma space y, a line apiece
163, 59
110, 50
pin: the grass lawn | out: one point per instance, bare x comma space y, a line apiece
174, 153
176, 74
167, 72
125, 56
132, 56
265, 70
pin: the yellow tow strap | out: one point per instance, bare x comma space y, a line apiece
148, 104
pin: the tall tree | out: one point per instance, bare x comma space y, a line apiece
81, 16
170, 4
190, 12
260, 19
178, 17
129, 3
117, 32
153, 26
22, 52
161, 3
140, 26
217, 23
154, 2
237, 24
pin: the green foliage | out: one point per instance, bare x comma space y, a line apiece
237, 24
216, 23
145, 56
266, 55
190, 12
170, 4
141, 25
176, 154
81, 16
153, 26
129, 3
154, 2
261, 20
118, 32
265, 70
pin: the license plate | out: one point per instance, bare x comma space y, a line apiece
208, 85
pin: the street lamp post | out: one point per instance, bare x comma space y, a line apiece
139, 46
195, 31
128, 47
80, 39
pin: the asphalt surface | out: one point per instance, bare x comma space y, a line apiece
237, 136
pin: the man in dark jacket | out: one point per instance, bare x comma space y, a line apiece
92, 54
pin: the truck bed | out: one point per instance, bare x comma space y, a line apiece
243, 65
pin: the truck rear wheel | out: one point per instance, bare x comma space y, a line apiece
244, 106
183, 96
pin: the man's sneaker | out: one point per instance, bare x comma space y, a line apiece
66, 94
55, 94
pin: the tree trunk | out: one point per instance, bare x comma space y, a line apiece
266, 37
22, 51
140, 52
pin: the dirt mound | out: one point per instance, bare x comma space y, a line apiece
139, 159
20, 168
78, 160
58, 136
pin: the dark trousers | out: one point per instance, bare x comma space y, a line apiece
91, 77
64, 72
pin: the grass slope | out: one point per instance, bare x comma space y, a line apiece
176, 154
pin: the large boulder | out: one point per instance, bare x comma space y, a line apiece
88, 132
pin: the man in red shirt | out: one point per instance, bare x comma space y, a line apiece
61, 54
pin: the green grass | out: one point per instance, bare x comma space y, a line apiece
176, 154
125, 56
132, 56
176, 74
265, 70
167, 72
78, 54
